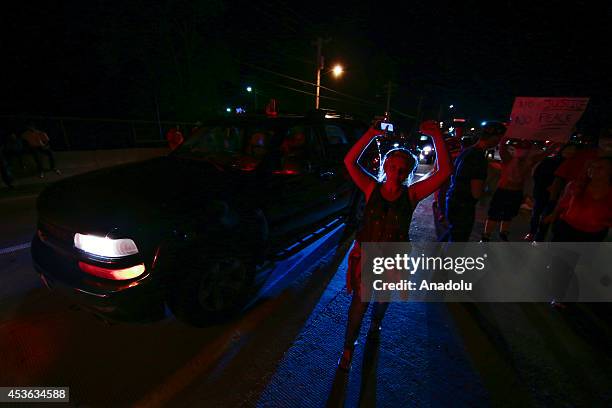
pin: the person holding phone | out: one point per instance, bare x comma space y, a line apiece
390, 202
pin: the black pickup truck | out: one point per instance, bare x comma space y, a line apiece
188, 230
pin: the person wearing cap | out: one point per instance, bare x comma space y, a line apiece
467, 183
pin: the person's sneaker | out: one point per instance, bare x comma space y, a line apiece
41, 175
529, 237
503, 236
58, 172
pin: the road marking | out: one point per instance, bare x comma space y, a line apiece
15, 248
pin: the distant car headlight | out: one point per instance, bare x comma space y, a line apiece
104, 246
427, 149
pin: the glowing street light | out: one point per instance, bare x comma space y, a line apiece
228, 110
249, 89
451, 106
338, 70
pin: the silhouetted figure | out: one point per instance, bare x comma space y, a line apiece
38, 145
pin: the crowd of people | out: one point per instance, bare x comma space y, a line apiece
571, 190
15, 145
562, 176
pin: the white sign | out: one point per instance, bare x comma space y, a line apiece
545, 118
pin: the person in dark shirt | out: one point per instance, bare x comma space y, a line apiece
467, 183
543, 177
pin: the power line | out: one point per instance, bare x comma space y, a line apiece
322, 96
357, 100
306, 82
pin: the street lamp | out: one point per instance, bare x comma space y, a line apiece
338, 70
228, 110
451, 106
249, 89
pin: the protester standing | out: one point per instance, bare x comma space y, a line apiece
387, 217
517, 160
467, 183
543, 177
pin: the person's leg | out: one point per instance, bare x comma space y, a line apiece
47, 152
460, 221
510, 209
539, 204
356, 312
504, 229
378, 314
543, 228
494, 214
35, 152
489, 228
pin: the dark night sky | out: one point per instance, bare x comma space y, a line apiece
100, 58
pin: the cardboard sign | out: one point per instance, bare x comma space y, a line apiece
545, 118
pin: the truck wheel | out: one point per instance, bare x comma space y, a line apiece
212, 290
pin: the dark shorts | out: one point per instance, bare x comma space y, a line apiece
505, 204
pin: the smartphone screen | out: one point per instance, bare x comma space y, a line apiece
386, 126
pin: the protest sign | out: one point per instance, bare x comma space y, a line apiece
552, 119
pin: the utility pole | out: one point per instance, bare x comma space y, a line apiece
319, 68
388, 110
320, 65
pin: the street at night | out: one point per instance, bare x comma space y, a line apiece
283, 350
212, 203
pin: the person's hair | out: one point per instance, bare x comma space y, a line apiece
491, 130
402, 153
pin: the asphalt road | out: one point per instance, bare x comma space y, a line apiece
282, 351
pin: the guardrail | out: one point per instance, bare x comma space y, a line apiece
74, 133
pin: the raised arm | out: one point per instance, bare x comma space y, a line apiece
444, 168
363, 181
